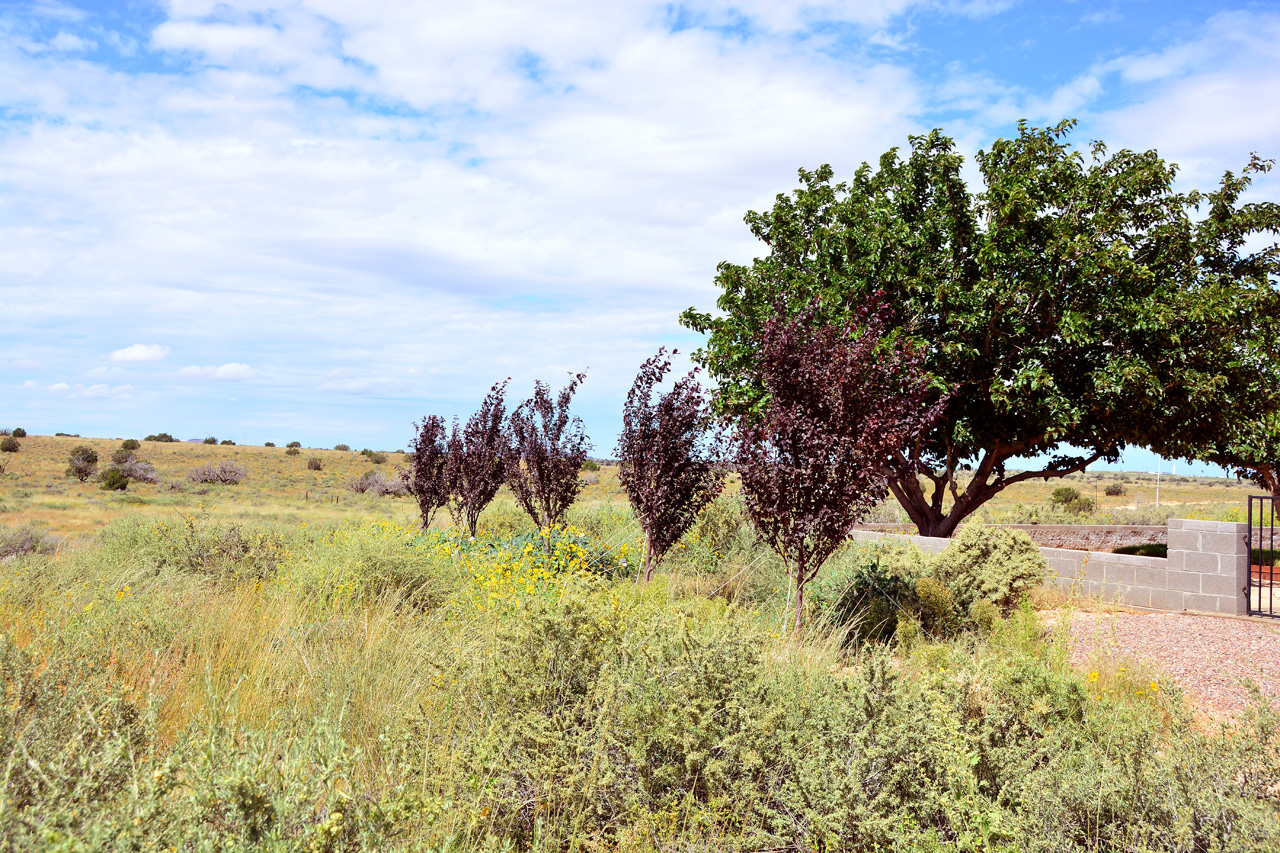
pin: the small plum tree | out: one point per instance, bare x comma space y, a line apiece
548, 447
477, 459
840, 399
666, 469
427, 475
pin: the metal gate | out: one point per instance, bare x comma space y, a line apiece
1263, 542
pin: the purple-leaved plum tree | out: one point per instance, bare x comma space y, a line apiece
427, 476
548, 447
840, 400
666, 467
477, 459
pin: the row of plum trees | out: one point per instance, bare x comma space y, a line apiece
810, 457
537, 452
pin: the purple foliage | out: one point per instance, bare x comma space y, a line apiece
477, 459
816, 458
548, 447
427, 476
666, 467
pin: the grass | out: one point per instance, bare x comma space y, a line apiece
280, 488
204, 681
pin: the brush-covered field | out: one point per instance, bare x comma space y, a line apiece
35, 489
203, 681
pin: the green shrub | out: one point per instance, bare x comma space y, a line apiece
228, 442
82, 463
1064, 495
1114, 490
342, 447
292, 451
19, 432
9, 444
269, 444
315, 463
294, 444
121, 456
210, 440
162, 437
114, 480
130, 444
990, 564
590, 465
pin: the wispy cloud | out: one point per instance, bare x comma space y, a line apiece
140, 352
230, 372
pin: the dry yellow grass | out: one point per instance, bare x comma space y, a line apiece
35, 488
278, 487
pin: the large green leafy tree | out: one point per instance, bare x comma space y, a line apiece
1070, 308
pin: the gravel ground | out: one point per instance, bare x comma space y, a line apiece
1208, 656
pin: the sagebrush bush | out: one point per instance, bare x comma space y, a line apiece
24, 539
1114, 490
162, 437
293, 444
130, 444
375, 482
315, 463
993, 564
19, 432
342, 447
210, 440
292, 451
225, 471
134, 468
9, 444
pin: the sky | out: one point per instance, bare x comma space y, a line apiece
322, 220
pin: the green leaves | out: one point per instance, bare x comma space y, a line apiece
1072, 301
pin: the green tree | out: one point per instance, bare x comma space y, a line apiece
1251, 450
1071, 308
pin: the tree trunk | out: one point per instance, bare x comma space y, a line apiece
648, 559
926, 512
798, 622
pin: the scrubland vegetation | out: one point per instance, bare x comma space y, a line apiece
190, 682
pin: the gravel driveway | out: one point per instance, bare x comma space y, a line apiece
1207, 655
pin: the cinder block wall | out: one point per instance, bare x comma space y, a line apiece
1207, 569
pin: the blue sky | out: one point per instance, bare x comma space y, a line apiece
321, 220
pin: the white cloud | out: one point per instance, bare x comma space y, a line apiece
230, 372
68, 43
22, 364
140, 352
83, 392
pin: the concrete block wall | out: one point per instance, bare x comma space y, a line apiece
1207, 569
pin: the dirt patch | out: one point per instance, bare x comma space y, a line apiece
1208, 656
